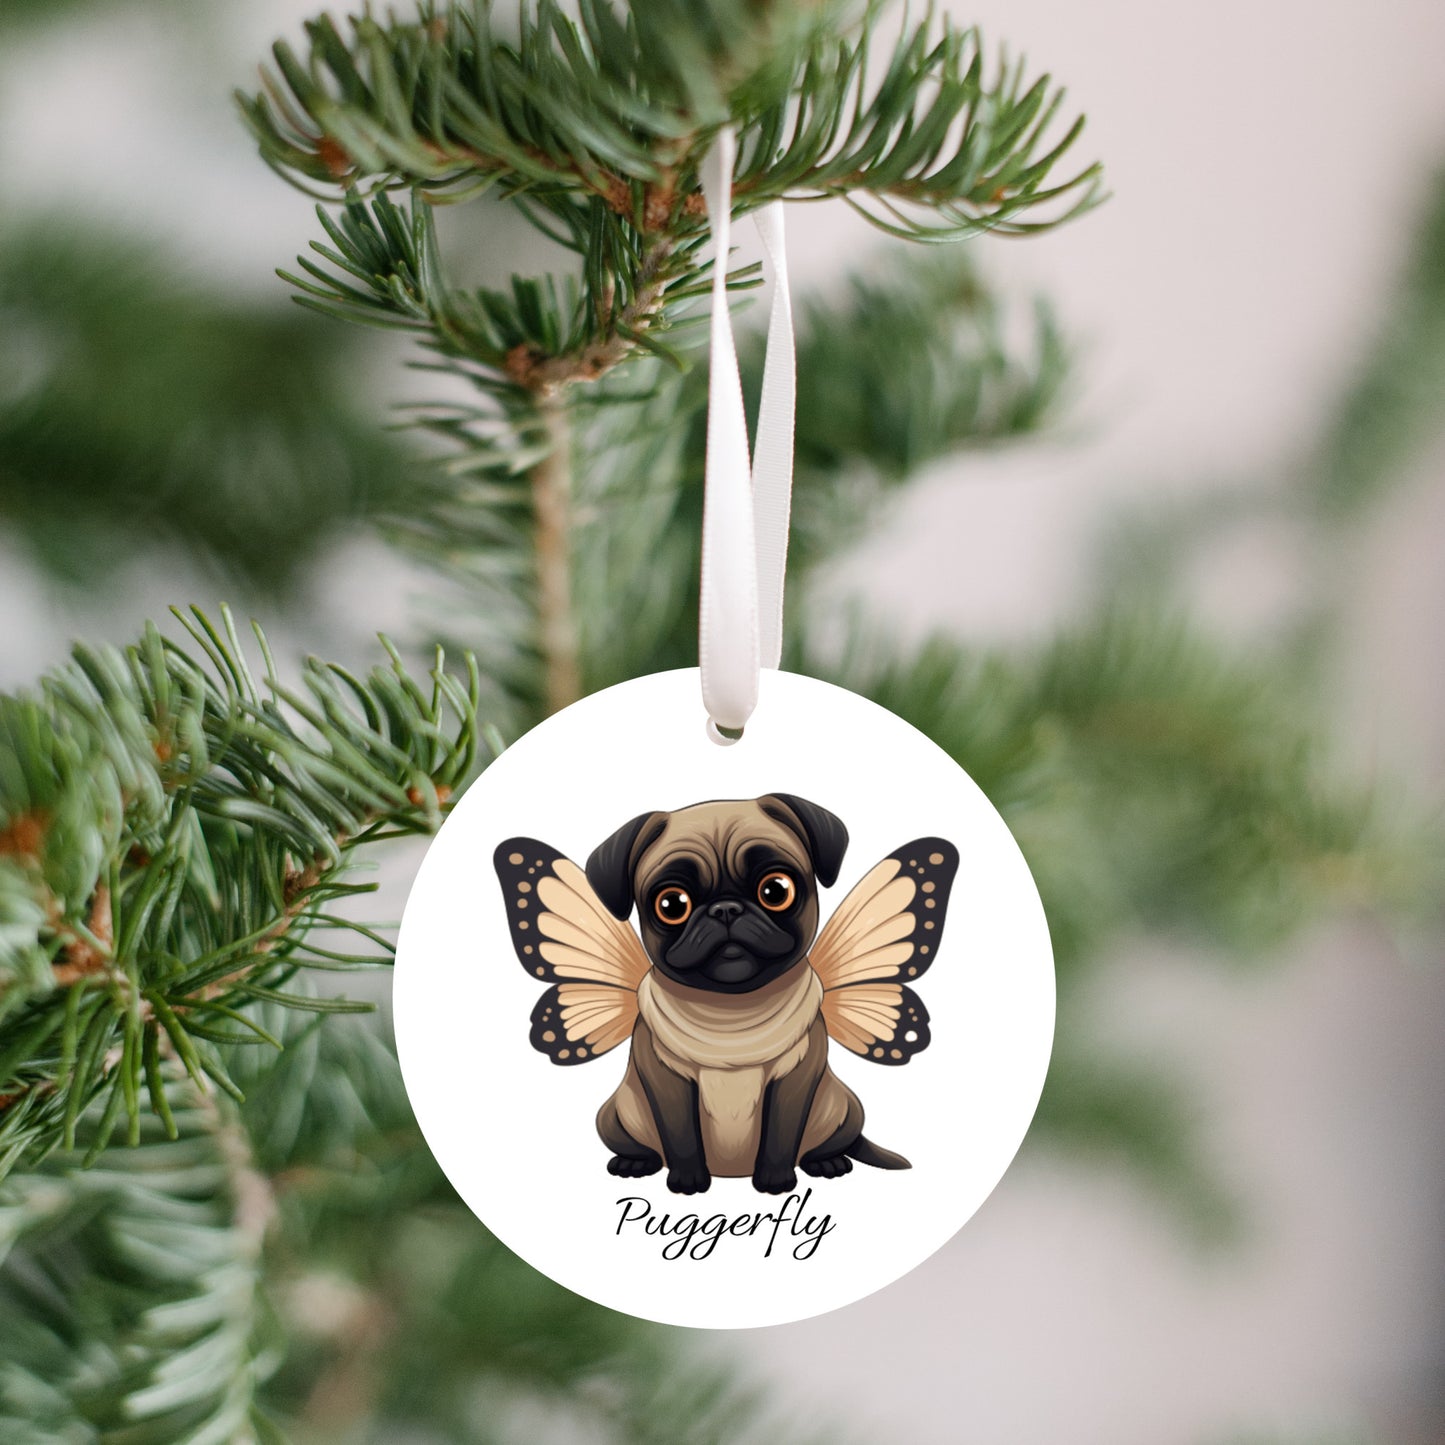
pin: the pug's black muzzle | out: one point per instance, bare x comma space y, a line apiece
729, 942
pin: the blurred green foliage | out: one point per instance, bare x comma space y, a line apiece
1393, 406
139, 409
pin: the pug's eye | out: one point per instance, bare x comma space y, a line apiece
673, 905
776, 892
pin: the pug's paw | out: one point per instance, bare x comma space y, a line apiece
775, 1178
833, 1168
689, 1178
626, 1167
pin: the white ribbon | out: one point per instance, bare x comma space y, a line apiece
745, 504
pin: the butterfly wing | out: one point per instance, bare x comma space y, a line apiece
565, 936
576, 1022
886, 931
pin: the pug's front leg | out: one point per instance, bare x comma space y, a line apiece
787, 1103
674, 1103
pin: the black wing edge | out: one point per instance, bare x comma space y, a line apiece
521, 863
930, 905
547, 1020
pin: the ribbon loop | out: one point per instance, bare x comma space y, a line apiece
746, 505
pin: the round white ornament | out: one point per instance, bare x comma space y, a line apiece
655, 997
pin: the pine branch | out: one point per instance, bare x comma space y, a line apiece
384, 1309
383, 267
406, 1316
1156, 782
1392, 408
551, 483
20, 14
922, 363
1156, 786
138, 411
599, 124
595, 131
171, 833
1099, 1110
925, 360
919, 364
130, 1304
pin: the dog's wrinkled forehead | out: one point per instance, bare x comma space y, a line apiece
717, 840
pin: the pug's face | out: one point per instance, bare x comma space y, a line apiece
727, 892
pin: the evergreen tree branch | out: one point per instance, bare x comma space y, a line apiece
600, 123
552, 504
920, 362
171, 833
932, 132
130, 1300
383, 267
1392, 407
923, 360
1157, 786
137, 411
1155, 782
408, 1317
914, 366
552, 121
1100, 1109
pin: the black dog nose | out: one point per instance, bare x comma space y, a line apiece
725, 910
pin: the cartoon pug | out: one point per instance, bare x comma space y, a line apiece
731, 994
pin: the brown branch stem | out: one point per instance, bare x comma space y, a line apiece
252, 1198
551, 481
547, 378
82, 958
544, 375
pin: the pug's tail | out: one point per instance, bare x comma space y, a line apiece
865, 1151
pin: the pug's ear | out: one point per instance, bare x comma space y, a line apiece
609, 869
824, 833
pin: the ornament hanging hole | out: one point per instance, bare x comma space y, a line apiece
723, 737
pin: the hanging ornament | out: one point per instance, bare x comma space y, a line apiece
744, 932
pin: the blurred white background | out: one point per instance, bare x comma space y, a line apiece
1267, 161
